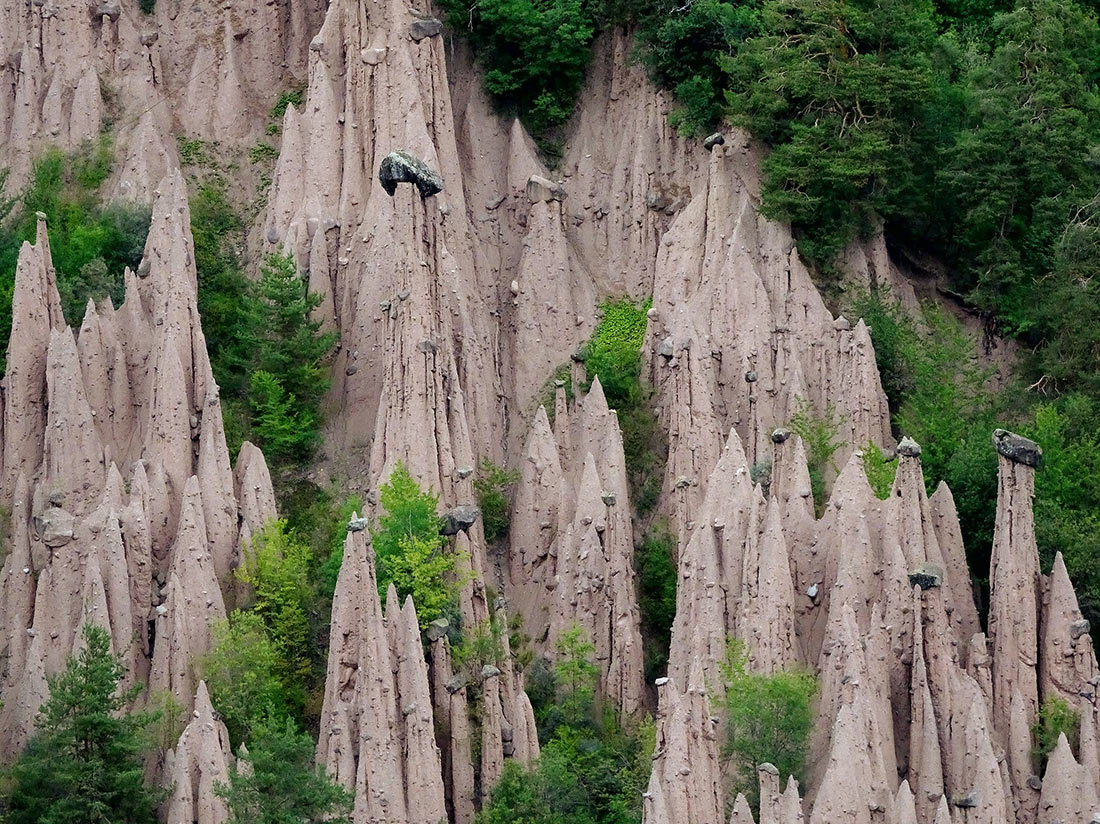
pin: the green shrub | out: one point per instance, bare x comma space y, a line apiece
591, 769
193, 151
492, 485
879, 471
655, 562
282, 785
769, 719
290, 97
277, 569
680, 46
479, 646
819, 437
147, 6
91, 244
1056, 717
262, 152
241, 673
409, 550
614, 354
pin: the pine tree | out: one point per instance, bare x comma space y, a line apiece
282, 786
84, 763
289, 343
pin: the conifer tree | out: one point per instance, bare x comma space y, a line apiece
84, 763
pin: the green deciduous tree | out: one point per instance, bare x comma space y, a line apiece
534, 53
769, 720
84, 763
241, 674
1025, 161
591, 768
282, 786
277, 568
409, 550
91, 243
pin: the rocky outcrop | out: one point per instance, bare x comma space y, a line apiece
572, 543
199, 762
918, 717
73, 70
377, 725
123, 504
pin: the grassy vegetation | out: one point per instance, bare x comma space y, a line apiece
819, 436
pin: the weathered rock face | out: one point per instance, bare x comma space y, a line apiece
118, 477
211, 70
919, 719
199, 762
572, 544
456, 307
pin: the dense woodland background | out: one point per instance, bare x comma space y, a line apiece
967, 132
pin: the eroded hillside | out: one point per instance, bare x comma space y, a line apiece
462, 320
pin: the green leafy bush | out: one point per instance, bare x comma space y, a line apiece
1056, 717
591, 769
282, 785
614, 355
681, 45
409, 550
838, 90
241, 673
769, 719
655, 562
91, 244
84, 762
492, 485
879, 471
819, 436
277, 569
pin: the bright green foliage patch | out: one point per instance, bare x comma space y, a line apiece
819, 436
614, 356
769, 719
91, 244
409, 550
879, 471
591, 769
283, 786
277, 568
84, 762
492, 484
1056, 717
241, 673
